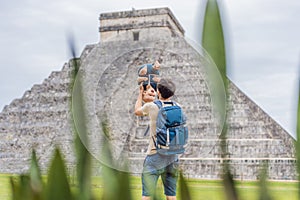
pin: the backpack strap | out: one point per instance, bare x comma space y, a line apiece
158, 103
170, 102
154, 142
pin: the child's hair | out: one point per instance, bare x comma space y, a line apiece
166, 87
160, 59
153, 85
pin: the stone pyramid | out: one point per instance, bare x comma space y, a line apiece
41, 119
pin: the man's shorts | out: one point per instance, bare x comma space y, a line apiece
159, 165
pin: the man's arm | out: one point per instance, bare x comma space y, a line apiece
139, 103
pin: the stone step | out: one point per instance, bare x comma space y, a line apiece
44, 88
33, 119
202, 148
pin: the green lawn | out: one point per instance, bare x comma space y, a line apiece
199, 189
5, 190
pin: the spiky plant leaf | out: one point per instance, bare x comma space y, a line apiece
36, 183
116, 183
213, 42
83, 167
14, 188
21, 188
184, 190
28, 186
57, 186
263, 189
212, 37
72, 48
298, 140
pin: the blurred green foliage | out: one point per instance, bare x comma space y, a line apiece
298, 138
117, 184
213, 42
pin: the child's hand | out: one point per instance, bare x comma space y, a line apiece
156, 65
156, 79
148, 87
143, 71
142, 79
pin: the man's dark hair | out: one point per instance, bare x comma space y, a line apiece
166, 88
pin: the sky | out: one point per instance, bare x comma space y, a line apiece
262, 42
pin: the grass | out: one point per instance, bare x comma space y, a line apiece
5, 189
199, 189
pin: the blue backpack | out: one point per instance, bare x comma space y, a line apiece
171, 129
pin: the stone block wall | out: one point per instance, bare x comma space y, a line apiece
41, 119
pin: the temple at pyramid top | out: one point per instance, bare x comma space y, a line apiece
135, 24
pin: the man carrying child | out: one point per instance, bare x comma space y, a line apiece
155, 164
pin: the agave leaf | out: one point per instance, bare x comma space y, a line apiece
124, 184
16, 188
21, 188
109, 175
110, 184
264, 193
119, 179
72, 48
28, 186
36, 182
298, 141
212, 37
213, 43
116, 183
228, 182
57, 185
83, 167
83, 170
184, 190
229, 186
